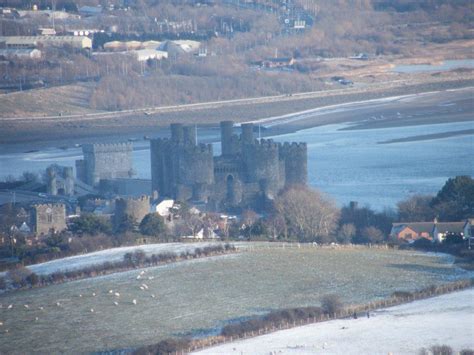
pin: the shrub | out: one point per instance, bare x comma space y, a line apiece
422, 243
32, 279
402, 294
331, 304
167, 346
152, 224
3, 283
19, 276
90, 224
441, 350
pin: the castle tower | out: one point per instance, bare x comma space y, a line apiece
68, 181
262, 165
51, 185
247, 133
190, 135
163, 169
137, 208
176, 133
295, 156
107, 161
227, 132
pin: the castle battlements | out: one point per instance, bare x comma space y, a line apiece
143, 198
293, 147
48, 205
107, 147
265, 144
198, 149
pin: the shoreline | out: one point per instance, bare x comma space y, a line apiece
281, 116
433, 136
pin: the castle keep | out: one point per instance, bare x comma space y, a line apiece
246, 173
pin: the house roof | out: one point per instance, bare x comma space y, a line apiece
453, 227
418, 227
427, 227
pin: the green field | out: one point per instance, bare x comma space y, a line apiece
200, 295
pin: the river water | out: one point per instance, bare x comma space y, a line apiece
349, 165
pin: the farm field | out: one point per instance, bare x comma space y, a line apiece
445, 319
195, 297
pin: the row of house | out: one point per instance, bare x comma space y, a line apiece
434, 231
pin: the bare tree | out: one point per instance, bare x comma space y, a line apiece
346, 232
307, 213
249, 219
416, 209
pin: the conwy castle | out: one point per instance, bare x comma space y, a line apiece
248, 172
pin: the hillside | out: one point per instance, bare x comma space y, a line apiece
235, 38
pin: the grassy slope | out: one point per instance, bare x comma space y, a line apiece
201, 294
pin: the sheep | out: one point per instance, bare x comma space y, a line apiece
134, 302
117, 294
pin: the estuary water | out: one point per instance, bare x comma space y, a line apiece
349, 165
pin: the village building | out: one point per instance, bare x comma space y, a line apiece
46, 218
20, 53
434, 231
77, 42
142, 55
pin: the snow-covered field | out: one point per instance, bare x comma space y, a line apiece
114, 254
405, 329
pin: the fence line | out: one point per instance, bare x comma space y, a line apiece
296, 245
